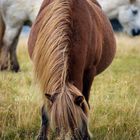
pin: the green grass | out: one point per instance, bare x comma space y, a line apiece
114, 100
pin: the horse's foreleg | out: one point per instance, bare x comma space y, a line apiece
8, 39
87, 82
13, 56
4, 59
44, 126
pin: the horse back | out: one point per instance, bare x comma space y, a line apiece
93, 42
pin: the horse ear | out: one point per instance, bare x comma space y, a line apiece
79, 100
48, 96
51, 97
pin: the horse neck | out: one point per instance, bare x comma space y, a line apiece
52, 78
50, 57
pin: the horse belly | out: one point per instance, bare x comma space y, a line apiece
108, 49
102, 49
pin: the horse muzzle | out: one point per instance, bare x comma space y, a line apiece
135, 32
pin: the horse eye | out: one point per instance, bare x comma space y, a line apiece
135, 12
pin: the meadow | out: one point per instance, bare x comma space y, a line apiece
114, 100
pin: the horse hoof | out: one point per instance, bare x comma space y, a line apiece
41, 138
15, 68
3, 67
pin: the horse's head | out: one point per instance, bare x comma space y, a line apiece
129, 17
68, 115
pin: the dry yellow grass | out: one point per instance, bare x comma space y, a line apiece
115, 97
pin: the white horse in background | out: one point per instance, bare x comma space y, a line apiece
13, 15
126, 11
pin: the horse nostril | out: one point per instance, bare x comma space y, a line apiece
135, 12
139, 31
135, 32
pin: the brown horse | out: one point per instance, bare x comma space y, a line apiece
70, 43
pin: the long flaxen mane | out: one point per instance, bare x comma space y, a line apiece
50, 57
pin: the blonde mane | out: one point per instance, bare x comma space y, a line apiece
50, 57
52, 47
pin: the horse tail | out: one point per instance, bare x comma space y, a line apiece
50, 57
2, 29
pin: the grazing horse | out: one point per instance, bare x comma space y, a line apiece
13, 15
70, 43
127, 12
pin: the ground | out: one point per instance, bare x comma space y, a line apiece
114, 100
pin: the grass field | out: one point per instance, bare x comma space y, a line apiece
115, 98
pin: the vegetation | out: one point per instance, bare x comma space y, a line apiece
114, 101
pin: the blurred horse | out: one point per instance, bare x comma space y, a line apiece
13, 15
126, 11
70, 43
